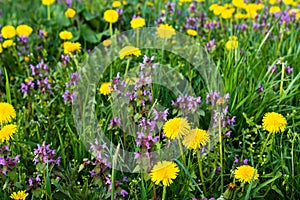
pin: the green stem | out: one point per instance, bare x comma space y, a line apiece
282, 77
164, 192
137, 37
127, 66
221, 153
7, 88
263, 149
182, 153
113, 173
201, 172
110, 30
48, 12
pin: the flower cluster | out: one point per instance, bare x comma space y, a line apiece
43, 154
7, 114
7, 163
69, 96
187, 103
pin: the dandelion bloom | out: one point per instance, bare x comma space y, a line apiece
20, 195
125, 3
195, 139
106, 43
71, 47
111, 16
7, 113
239, 3
227, 13
274, 122
70, 13
176, 128
116, 4
1, 49
23, 30
137, 22
105, 88
288, 2
165, 31
191, 32
232, 43
8, 43
274, 9
150, 4
8, 32
65, 35
244, 173
164, 172
7, 131
129, 50
48, 2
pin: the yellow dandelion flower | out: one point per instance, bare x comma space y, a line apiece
125, 3
1, 49
288, 2
8, 32
111, 16
232, 43
274, 122
107, 43
71, 47
240, 16
244, 173
196, 138
272, 2
116, 4
293, 11
150, 4
8, 43
65, 35
128, 51
70, 13
105, 88
7, 113
274, 9
48, 2
20, 195
7, 131
227, 14
218, 10
165, 31
213, 6
137, 22
239, 3
164, 172
23, 30
191, 32
176, 128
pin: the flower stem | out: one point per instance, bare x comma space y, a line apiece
263, 149
127, 66
164, 192
181, 152
48, 12
282, 77
137, 37
200, 171
110, 30
221, 153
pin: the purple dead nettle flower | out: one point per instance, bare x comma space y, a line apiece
273, 69
115, 122
65, 58
25, 87
118, 185
70, 95
210, 45
260, 88
288, 70
8, 163
192, 8
187, 103
160, 116
43, 154
33, 182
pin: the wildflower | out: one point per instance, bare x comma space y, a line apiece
111, 16
70, 13
116, 4
65, 35
8, 43
105, 88
244, 173
137, 22
7, 131
227, 13
164, 172
192, 32
288, 70
44, 154
71, 47
107, 43
1, 49
48, 2
7, 113
274, 122
129, 50
165, 31
176, 128
150, 4
274, 9
288, 2
232, 43
272, 2
125, 3
20, 195
195, 139
8, 32
23, 30
239, 3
